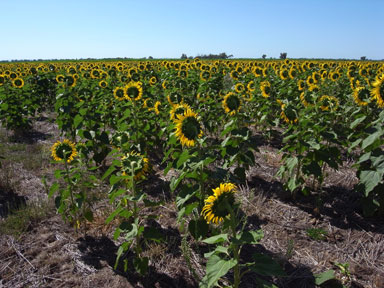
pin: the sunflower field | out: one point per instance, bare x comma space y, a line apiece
200, 123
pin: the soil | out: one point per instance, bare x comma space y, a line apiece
51, 254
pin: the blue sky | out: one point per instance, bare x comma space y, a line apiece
50, 29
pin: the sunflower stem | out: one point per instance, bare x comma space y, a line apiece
71, 193
236, 248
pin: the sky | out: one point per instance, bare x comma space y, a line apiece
74, 29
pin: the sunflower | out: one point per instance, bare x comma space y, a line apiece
251, 86
2, 79
310, 81
234, 75
360, 93
95, 74
328, 103
231, 103
118, 93
265, 88
178, 109
377, 91
152, 80
183, 74
188, 128
334, 76
164, 84
300, 85
60, 78
174, 98
18, 82
103, 84
133, 91
216, 206
70, 80
292, 73
288, 114
306, 97
156, 107
284, 74
65, 150
205, 75
136, 163
239, 88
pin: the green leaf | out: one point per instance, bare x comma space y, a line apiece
151, 233
313, 144
216, 268
88, 215
291, 163
114, 179
113, 214
141, 265
357, 122
249, 237
53, 189
216, 239
183, 158
324, 277
218, 250
108, 172
370, 179
198, 228
77, 121
371, 139
266, 266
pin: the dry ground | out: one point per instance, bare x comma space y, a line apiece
38, 249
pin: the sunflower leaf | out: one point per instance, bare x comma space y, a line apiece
216, 239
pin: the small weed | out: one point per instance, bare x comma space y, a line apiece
22, 219
317, 234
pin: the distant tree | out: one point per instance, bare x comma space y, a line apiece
283, 55
150, 57
264, 56
184, 56
363, 58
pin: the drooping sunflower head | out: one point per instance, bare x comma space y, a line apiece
334, 76
284, 74
2, 80
178, 109
188, 128
301, 85
60, 78
118, 93
288, 113
133, 91
265, 88
328, 103
205, 75
292, 73
134, 164
174, 98
70, 81
18, 82
183, 74
103, 84
377, 91
251, 86
64, 150
95, 74
231, 103
361, 95
219, 205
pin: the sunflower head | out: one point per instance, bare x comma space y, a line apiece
188, 128
218, 206
133, 91
328, 103
377, 91
17, 82
60, 78
239, 88
134, 164
2, 80
231, 103
265, 88
360, 95
205, 75
118, 93
103, 84
178, 109
153, 80
64, 150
